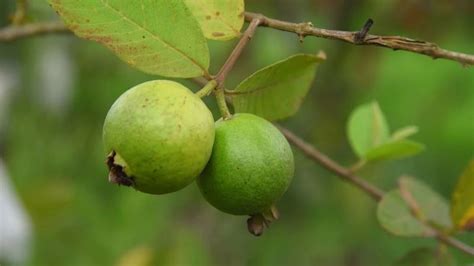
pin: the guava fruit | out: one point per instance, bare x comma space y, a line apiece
251, 166
159, 137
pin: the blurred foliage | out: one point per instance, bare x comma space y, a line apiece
53, 149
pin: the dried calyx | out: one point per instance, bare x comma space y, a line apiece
116, 173
257, 223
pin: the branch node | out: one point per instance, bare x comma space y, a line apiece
359, 37
302, 30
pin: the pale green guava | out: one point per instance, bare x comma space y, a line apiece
251, 166
159, 137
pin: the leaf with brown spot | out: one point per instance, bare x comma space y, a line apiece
140, 31
219, 19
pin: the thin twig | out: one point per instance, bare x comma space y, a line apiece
13, 33
230, 62
372, 190
317, 156
393, 42
455, 243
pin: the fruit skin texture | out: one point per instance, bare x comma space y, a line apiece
162, 135
250, 168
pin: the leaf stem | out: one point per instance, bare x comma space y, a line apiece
20, 12
207, 89
358, 165
220, 97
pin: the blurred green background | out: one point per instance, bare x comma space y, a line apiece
61, 88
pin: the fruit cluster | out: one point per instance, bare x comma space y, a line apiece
160, 137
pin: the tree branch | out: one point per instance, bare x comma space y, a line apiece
372, 190
13, 33
393, 42
230, 62
317, 156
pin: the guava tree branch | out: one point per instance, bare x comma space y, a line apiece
230, 62
12, 33
392, 42
326, 162
375, 192
16, 32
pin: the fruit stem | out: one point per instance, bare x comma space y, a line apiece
207, 89
220, 97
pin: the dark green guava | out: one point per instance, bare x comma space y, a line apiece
159, 137
251, 166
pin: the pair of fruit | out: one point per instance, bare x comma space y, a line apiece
160, 137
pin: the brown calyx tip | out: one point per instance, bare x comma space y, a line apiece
257, 223
116, 173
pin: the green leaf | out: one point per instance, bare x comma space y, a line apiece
219, 19
156, 36
426, 206
395, 216
394, 150
434, 208
427, 257
276, 91
367, 128
404, 133
462, 209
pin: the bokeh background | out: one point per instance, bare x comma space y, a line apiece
55, 92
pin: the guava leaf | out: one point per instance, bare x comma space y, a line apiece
433, 207
367, 128
404, 133
426, 257
276, 91
219, 19
462, 208
159, 37
394, 150
397, 217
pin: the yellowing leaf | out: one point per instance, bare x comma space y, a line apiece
156, 36
467, 221
462, 208
138, 256
219, 19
